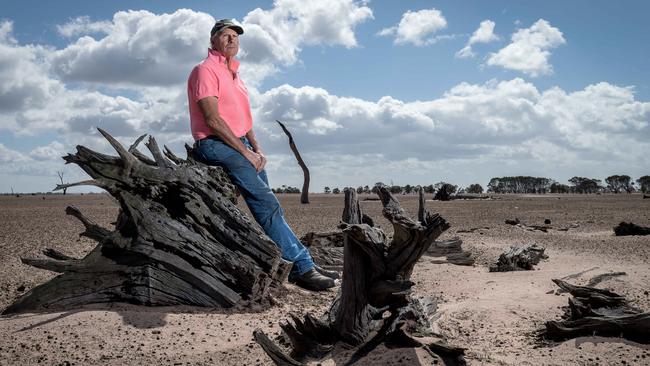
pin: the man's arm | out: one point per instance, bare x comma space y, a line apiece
210, 109
250, 135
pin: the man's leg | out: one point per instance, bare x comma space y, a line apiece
260, 199
295, 271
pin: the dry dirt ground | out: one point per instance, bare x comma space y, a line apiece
493, 315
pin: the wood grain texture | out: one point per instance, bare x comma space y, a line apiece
594, 311
374, 305
178, 239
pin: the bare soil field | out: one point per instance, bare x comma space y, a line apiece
493, 315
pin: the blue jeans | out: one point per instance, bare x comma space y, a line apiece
261, 201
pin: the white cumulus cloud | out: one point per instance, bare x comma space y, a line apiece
484, 34
24, 83
139, 48
417, 27
274, 37
509, 126
470, 130
83, 25
53, 150
529, 51
8, 155
129, 72
468, 121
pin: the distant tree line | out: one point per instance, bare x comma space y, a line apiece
520, 185
408, 189
285, 189
540, 185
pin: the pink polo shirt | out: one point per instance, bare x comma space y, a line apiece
211, 78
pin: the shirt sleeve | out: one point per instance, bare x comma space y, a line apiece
205, 84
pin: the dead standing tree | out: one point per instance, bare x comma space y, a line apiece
374, 304
178, 239
60, 174
304, 194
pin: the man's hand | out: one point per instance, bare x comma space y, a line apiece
250, 135
210, 108
256, 159
261, 154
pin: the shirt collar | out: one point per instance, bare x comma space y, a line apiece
219, 58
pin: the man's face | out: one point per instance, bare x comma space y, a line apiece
226, 42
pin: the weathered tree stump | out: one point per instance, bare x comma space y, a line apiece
178, 239
519, 258
373, 305
628, 228
327, 247
593, 311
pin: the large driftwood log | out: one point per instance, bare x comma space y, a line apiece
519, 257
593, 311
304, 194
628, 228
178, 239
374, 305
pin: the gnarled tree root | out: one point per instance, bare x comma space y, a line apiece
374, 304
600, 312
327, 247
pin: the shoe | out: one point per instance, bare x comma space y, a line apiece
331, 274
312, 280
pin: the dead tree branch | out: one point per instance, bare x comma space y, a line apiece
304, 194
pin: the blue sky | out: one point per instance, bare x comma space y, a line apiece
373, 91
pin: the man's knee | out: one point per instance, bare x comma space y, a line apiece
265, 207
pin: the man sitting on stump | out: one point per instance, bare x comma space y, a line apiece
222, 127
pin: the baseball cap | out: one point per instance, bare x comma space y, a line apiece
226, 23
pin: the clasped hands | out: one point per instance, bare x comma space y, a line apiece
257, 159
